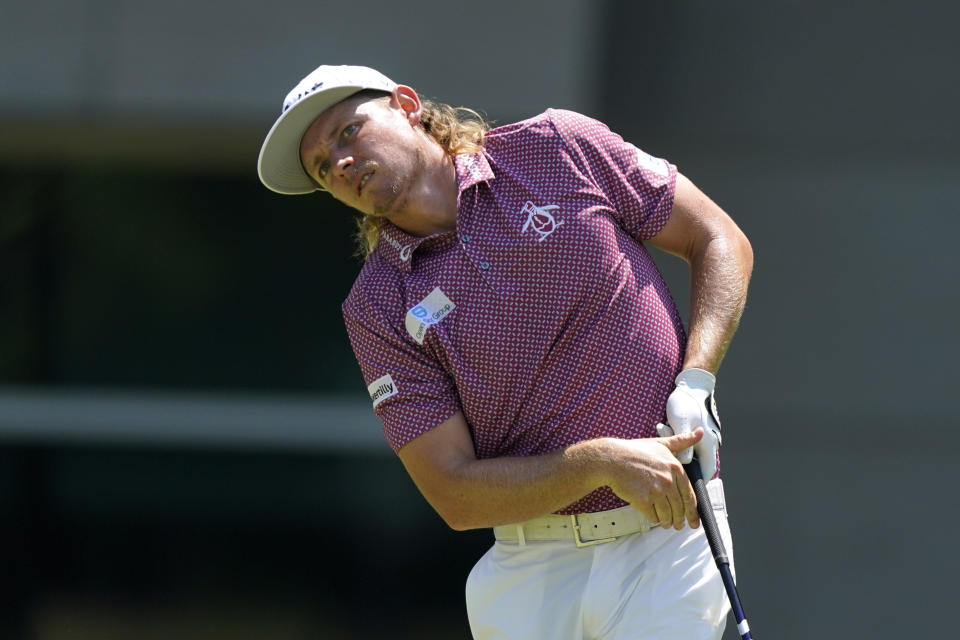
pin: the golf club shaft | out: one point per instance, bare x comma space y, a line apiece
709, 522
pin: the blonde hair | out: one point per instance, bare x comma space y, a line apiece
458, 130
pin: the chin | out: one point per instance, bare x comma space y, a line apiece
384, 209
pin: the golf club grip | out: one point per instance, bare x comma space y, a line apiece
705, 509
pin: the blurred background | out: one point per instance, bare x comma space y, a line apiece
186, 447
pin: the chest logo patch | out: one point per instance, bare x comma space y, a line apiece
540, 219
427, 313
381, 389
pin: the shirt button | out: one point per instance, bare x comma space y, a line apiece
484, 265
466, 238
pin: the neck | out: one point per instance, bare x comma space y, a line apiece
432, 205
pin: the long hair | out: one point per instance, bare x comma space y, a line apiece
456, 129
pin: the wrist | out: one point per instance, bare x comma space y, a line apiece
592, 461
696, 378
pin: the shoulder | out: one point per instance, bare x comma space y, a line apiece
566, 120
555, 131
377, 290
577, 129
560, 127
519, 134
548, 122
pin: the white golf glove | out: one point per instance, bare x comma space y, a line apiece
691, 405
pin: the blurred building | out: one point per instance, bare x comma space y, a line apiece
185, 445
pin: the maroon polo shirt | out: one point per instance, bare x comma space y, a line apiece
542, 317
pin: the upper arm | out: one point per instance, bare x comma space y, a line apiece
433, 458
695, 220
410, 390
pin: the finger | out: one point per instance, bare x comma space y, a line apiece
664, 513
681, 441
676, 504
689, 499
649, 512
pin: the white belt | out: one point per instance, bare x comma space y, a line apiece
584, 529
587, 529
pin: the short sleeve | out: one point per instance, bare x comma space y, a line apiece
640, 187
410, 391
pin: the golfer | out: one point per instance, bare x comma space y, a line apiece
521, 347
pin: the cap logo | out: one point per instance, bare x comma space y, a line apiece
303, 94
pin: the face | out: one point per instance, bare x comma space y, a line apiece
366, 152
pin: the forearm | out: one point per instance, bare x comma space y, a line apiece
469, 493
495, 491
720, 275
720, 259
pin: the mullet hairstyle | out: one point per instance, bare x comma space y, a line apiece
458, 130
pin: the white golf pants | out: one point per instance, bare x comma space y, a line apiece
658, 585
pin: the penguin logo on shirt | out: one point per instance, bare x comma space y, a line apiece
540, 219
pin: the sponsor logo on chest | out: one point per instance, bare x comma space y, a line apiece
428, 312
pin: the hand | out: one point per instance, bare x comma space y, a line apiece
691, 406
646, 473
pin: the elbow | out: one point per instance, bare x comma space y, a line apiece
459, 525
722, 241
449, 489
456, 515
737, 246
746, 252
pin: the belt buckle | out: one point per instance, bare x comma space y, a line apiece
576, 535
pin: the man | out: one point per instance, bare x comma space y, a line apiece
521, 347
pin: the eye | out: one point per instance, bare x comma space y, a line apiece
323, 169
349, 130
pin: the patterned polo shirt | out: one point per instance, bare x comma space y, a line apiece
542, 317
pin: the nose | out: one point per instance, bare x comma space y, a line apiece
342, 164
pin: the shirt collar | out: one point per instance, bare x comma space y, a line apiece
472, 168
397, 246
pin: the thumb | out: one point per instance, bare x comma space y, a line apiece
683, 440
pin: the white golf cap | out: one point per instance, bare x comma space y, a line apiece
279, 164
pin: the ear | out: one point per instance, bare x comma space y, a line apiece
408, 101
